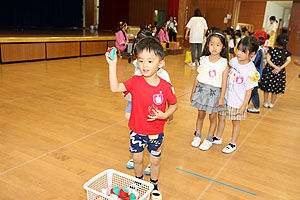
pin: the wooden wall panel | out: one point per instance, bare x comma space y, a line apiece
63, 49
22, 52
93, 48
141, 13
211, 9
252, 12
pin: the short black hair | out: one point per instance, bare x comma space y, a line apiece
250, 43
150, 44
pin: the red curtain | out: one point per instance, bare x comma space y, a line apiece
173, 8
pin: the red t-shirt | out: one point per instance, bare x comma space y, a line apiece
144, 98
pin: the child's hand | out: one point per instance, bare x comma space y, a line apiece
109, 61
242, 110
276, 70
158, 114
170, 119
220, 103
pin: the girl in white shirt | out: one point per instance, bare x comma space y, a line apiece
210, 85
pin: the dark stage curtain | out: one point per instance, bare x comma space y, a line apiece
41, 13
111, 12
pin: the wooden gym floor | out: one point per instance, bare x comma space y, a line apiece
60, 125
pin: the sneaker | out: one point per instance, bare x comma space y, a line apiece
217, 140
129, 164
271, 105
253, 110
156, 195
205, 145
147, 170
196, 142
229, 148
266, 104
192, 64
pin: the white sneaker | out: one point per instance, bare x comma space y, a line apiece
253, 110
266, 104
156, 195
216, 140
129, 164
192, 64
205, 145
147, 170
271, 105
196, 142
229, 148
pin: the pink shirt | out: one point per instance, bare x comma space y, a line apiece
120, 40
163, 36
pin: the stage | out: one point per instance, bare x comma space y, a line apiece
22, 44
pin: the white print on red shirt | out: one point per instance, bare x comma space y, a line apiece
158, 98
151, 108
212, 73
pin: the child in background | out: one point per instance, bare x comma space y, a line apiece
163, 35
122, 38
154, 29
149, 97
231, 44
258, 60
245, 32
161, 73
242, 78
274, 77
210, 85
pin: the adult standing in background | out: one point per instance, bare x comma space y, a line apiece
271, 30
196, 30
171, 24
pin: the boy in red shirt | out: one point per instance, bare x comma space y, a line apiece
149, 97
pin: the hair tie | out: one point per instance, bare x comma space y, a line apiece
121, 23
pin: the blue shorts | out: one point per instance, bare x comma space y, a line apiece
128, 107
154, 143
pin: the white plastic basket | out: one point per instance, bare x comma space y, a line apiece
111, 178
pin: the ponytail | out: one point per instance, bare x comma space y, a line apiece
258, 60
282, 41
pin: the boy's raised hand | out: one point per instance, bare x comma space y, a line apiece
109, 60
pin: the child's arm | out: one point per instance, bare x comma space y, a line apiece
278, 69
224, 86
246, 101
115, 86
163, 115
194, 87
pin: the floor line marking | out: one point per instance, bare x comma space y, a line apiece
216, 181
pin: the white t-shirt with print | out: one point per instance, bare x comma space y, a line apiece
211, 73
197, 25
240, 79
